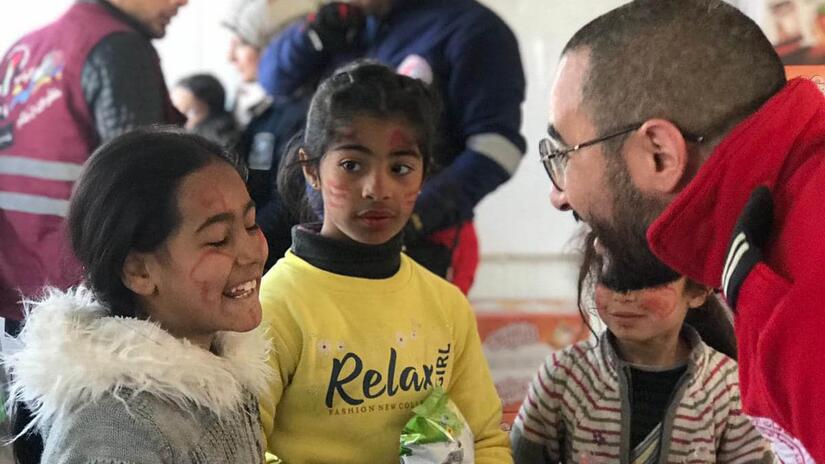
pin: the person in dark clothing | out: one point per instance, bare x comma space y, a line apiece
270, 132
270, 121
202, 99
471, 58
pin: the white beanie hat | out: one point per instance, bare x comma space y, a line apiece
257, 21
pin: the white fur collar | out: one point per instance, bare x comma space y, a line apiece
72, 353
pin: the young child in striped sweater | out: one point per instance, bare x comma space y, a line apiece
648, 390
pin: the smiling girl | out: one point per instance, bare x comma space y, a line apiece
361, 333
155, 358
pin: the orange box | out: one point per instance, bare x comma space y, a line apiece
816, 73
517, 335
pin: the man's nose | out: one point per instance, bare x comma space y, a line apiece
559, 200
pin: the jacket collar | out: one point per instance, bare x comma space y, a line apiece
72, 352
347, 257
696, 359
764, 149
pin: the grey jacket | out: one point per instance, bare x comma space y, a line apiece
123, 391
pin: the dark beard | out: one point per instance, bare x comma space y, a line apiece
629, 263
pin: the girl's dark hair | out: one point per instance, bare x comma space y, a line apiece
361, 89
712, 320
208, 89
126, 200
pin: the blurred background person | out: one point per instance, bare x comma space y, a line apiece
269, 122
471, 58
202, 99
253, 24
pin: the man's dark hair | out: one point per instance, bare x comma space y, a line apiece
701, 64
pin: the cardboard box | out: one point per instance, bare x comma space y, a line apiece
517, 336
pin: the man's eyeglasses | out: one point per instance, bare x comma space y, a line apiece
554, 153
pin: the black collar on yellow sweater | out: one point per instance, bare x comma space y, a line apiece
347, 258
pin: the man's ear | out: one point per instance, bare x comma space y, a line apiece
136, 276
310, 171
657, 157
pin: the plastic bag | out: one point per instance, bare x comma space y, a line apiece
437, 433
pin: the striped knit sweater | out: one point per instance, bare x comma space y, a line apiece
577, 410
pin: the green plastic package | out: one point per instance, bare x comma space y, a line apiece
437, 433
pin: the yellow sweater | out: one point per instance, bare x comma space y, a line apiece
356, 355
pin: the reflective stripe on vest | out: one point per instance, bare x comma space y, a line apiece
498, 148
37, 169
49, 170
34, 204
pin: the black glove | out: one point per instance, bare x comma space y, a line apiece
750, 235
335, 27
433, 256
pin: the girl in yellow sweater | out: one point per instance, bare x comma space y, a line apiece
361, 333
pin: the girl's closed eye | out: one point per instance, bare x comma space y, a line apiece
250, 220
219, 243
217, 236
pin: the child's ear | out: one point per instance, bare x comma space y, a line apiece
698, 297
310, 171
136, 276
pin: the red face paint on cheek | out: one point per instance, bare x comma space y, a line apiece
660, 302
336, 194
210, 274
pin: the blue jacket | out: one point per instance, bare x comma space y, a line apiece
263, 146
475, 65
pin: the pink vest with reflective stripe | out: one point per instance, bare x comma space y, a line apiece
46, 134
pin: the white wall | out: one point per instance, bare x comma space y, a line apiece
196, 42
518, 218
20, 17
